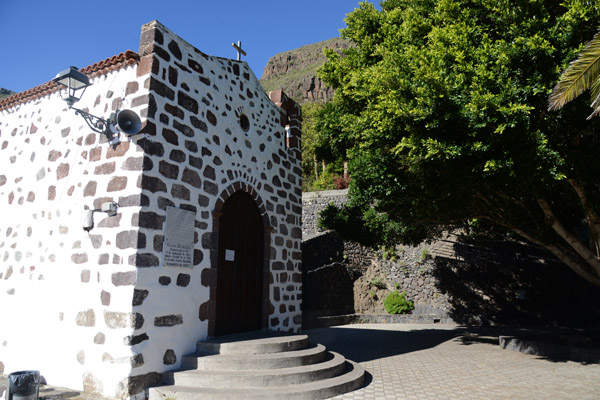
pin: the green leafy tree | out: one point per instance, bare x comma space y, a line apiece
441, 107
310, 137
323, 152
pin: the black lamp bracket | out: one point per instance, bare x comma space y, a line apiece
96, 124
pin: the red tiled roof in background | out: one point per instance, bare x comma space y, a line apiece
99, 68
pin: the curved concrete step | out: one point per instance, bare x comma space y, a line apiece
334, 366
236, 344
238, 362
351, 380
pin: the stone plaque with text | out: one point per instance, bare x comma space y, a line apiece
178, 245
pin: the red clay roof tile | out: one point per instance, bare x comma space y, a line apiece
100, 68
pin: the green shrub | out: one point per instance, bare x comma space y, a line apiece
396, 303
355, 223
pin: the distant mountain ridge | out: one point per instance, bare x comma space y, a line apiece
5, 93
294, 71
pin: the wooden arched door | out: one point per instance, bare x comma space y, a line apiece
239, 268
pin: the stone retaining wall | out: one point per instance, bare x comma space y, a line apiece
313, 203
330, 289
369, 276
451, 279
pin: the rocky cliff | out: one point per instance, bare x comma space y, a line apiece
294, 71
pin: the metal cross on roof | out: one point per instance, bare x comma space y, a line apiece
238, 47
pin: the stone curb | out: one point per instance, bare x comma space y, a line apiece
323, 322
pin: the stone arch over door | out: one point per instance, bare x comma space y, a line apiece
239, 215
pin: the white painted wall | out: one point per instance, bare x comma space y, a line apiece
41, 288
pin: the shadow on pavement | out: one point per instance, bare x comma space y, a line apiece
363, 344
554, 345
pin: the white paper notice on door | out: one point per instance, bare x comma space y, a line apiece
229, 255
178, 245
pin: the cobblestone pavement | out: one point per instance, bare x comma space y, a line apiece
451, 362
437, 362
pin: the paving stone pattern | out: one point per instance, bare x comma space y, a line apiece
451, 362
437, 362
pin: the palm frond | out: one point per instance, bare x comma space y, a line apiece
578, 77
595, 94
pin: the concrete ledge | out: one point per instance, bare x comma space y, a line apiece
324, 193
322, 322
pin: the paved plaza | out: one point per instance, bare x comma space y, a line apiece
410, 361
451, 362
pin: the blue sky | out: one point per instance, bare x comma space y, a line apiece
42, 37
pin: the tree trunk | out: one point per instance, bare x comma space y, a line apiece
580, 257
592, 218
575, 265
571, 239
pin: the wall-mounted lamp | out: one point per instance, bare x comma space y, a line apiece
110, 208
75, 82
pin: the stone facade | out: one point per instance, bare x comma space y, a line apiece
98, 310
